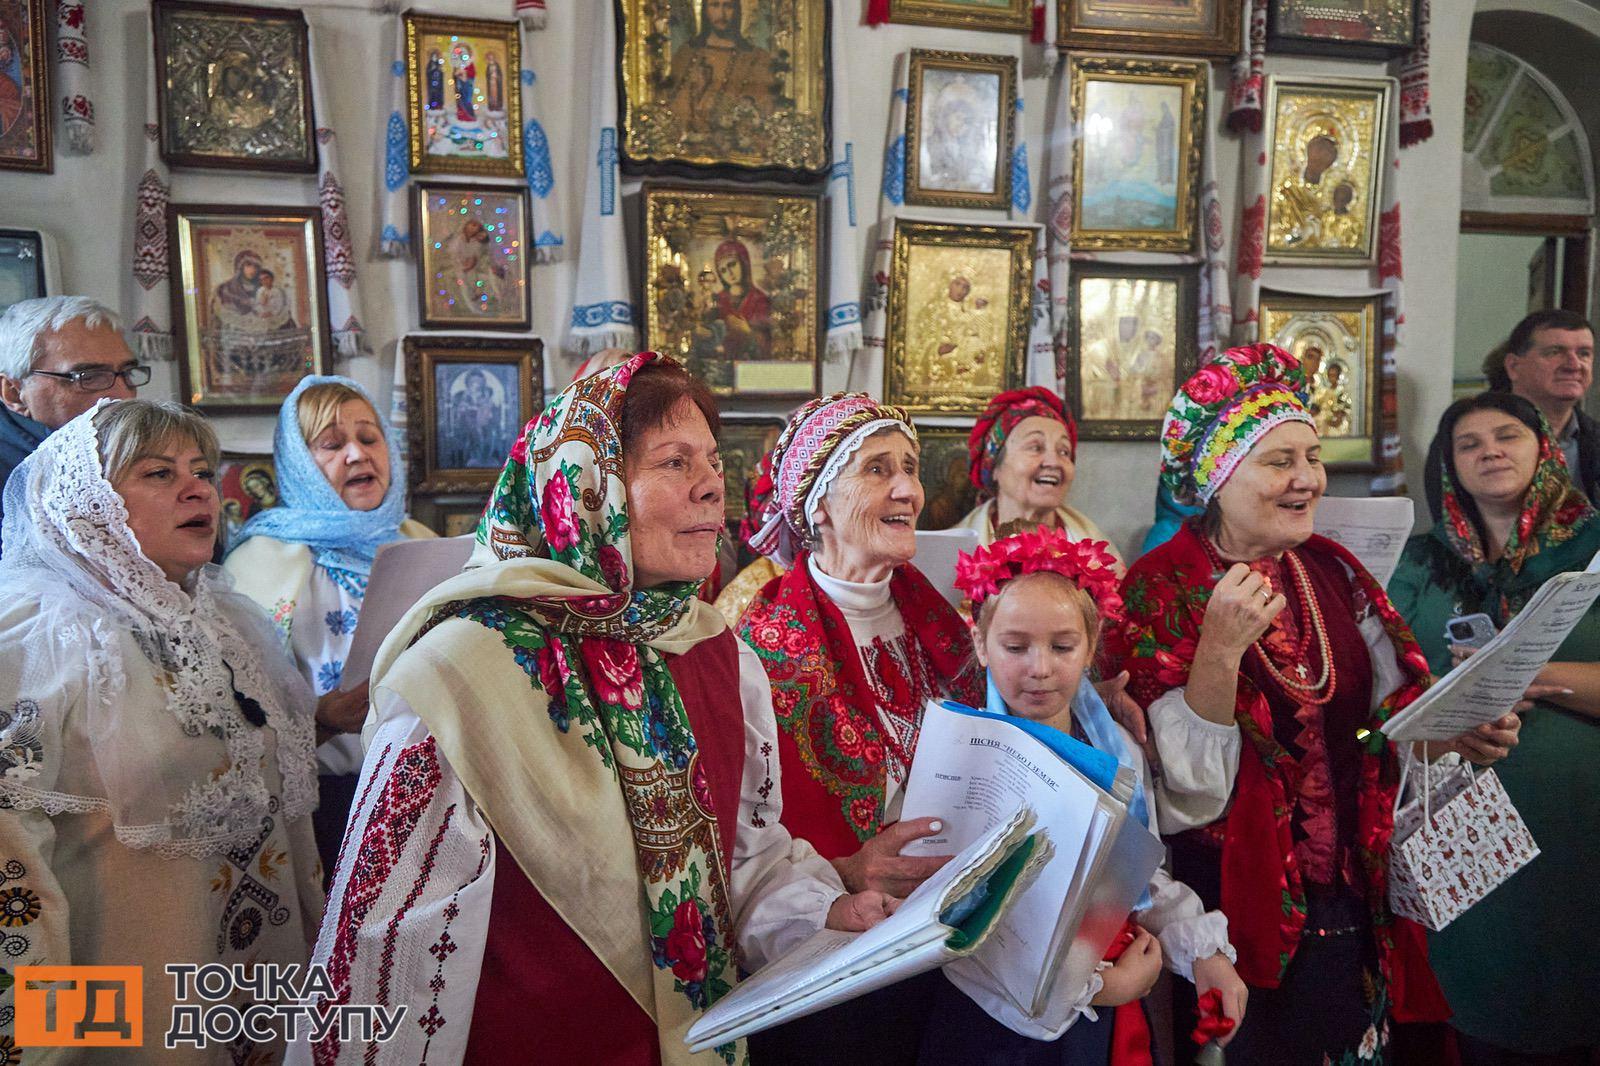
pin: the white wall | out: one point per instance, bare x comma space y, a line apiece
88, 203
1492, 283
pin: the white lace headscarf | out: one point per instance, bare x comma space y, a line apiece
105, 611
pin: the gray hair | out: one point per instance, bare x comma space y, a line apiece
130, 430
26, 322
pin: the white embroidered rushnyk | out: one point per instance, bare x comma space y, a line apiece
68, 545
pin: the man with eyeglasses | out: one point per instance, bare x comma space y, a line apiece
1549, 360
58, 355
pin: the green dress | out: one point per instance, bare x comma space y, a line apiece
1522, 967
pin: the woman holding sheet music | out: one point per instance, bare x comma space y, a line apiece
1506, 519
341, 494
855, 641
1266, 657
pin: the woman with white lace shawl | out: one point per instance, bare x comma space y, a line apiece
156, 747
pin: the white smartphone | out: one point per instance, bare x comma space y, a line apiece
1471, 630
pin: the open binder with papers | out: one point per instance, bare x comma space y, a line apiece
1019, 918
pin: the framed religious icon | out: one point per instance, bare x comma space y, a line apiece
732, 284
1010, 16
1184, 27
468, 398
24, 272
737, 84
1336, 340
1131, 344
1137, 154
472, 255
233, 87
249, 310
459, 519
463, 93
1326, 146
960, 125
960, 303
26, 102
944, 466
1358, 29
743, 441
248, 484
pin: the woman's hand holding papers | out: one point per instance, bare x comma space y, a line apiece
880, 867
1218, 973
860, 911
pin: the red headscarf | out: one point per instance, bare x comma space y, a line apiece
1002, 415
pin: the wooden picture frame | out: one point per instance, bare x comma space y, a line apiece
464, 120
249, 303
1337, 340
26, 86
944, 467
1326, 140
1131, 344
960, 307
697, 95
1136, 160
233, 87
743, 440
462, 426
960, 128
449, 516
473, 255
1173, 27
1000, 16
733, 287
1367, 29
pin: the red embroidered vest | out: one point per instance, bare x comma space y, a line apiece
541, 991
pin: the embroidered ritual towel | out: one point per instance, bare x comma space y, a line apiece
394, 206
548, 218
72, 77
603, 312
1416, 113
844, 240
1247, 83
866, 371
338, 255
149, 335
533, 14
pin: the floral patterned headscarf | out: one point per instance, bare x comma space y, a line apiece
1553, 509
1222, 411
561, 496
1004, 413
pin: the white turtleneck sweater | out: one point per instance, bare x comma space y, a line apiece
886, 649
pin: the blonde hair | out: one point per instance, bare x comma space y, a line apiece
318, 407
135, 429
1072, 593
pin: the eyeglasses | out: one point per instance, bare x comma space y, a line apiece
100, 380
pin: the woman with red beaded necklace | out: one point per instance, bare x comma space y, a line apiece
1266, 657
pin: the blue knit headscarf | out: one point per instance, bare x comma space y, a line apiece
310, 512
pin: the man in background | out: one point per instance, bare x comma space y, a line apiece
58, 355
1549, 359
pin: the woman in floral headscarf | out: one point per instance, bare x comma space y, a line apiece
855, 641
1023, 460
1506, 519
1267, 657
567, 829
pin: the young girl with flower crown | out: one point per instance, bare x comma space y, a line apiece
1039, 601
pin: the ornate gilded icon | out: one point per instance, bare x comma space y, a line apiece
1136, 156
742, 442
472, 256
1336, 341
1185, 27
1359, 29
463, 81
1132, 343
944, 466
960, 126
250, 312
731, 287
468, 398
26, 103
960, 298
725, 83
233, 87
1012, 16
1327, 139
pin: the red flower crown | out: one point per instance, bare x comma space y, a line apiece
1086, 563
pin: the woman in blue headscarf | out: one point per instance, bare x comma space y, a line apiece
1039, 599
341, 496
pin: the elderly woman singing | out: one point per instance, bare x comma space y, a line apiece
855, 641
567, 830
1267, 657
